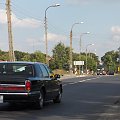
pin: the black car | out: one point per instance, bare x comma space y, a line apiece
29, 82
110, 72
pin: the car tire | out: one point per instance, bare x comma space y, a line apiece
40, 102
58, 98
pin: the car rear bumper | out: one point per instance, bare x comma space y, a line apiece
20, 97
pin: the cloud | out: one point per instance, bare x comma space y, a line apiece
29, 23
115, 29
115, 32
3, 17
56, 37
29, 45
116, 37
33, 42
26, 23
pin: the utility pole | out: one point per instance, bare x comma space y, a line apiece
119, 55
10, 38
46, 42
71, 52
119, 60
71, 65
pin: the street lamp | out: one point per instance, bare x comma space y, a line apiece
81, 47
81, 40
86, 54
70, 69
46, 41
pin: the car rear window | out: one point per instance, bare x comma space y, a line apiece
16, 69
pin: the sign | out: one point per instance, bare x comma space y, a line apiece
78, 62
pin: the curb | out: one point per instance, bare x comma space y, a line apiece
71, 76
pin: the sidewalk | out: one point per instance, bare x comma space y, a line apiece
66, 76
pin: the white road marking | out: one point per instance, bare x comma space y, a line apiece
82, 81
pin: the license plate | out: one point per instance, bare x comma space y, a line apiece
1, 98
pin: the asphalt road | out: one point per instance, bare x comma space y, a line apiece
86, 98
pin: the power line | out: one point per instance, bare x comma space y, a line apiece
16, 10
22, 11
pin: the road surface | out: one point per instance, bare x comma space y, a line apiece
86, 98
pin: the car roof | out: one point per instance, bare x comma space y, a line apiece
24, 62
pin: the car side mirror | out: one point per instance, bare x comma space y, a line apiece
57, 76
51, 76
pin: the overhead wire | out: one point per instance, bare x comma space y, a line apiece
32, 22
42, 21
22, 10
17, 11
22, 15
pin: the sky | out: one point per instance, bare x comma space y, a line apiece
101, 18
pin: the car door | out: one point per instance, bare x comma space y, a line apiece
55, 83
47, 82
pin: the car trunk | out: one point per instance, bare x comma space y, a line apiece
12, 84
14, 77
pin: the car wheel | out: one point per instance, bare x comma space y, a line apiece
58, 98
40, 101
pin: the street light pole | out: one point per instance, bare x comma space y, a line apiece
46, 40
81, 47
70, 67
81, 41
86, 54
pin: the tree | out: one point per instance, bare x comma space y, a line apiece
38, 56
60, 58
91, 64
92, 60
110, 60
26, 57
4, 56
20, 55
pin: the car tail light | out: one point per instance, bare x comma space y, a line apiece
11, 88
28, 85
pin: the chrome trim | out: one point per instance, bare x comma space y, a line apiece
6, 85
14, 93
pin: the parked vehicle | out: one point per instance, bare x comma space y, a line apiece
101, 72
29, 82
110, 72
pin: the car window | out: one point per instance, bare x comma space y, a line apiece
39, 71
44, 70
49, 70
16, 69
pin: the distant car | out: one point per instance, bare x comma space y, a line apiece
98, 73
111, 73
101, 72
29, 82
104, 72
